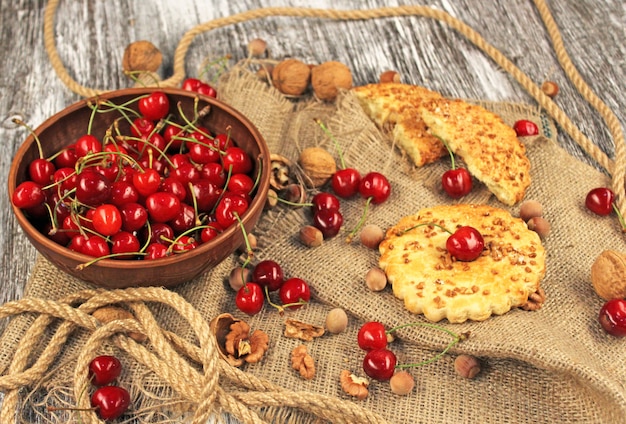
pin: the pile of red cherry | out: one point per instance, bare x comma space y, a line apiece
267, 276
109, 401
164, 187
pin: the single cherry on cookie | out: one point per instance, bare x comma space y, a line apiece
465, 244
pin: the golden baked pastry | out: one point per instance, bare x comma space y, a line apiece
393, 108
490, 148
431, 282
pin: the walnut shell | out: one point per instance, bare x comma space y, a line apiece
330, 77
220, 327
608, 275
291, 77
318, 165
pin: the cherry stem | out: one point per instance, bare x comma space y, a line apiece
221, 64
620, 217
249, 251
426, 224
287, 202
457, 338
361, 221
453, 165
281, 309
17, 121
335, 142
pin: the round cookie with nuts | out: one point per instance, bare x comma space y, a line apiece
431, 282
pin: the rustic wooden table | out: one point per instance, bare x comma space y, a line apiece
91, 37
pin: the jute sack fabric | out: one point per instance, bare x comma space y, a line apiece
551, 365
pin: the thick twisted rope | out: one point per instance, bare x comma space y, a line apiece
193, 371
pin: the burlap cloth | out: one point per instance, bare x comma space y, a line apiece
547, 366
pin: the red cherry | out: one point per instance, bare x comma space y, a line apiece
123, 192
380, 364
154, 106
268, 273
294, 292
207, 90
211, 231
240, 182
375, 186
28, 195
325, 201
213, 172
92, 188
110, 402
141, 126
175, 186
156, 251
124, 242
372, 335
191, 84
329, 222
345, 182
107, 220
229, 207
183, 244
104, 369
66, 178
525, 128
466, 244
134, 216
66, 158
612, 317
87, 144
237, 159
162, 206
41, 171
96, 246
600, 201
160, 233
457, 182
250, 299
185, 220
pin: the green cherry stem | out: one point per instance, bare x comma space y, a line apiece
620, 217
426, 224
445, 143
456, 338
361, 221
334, 140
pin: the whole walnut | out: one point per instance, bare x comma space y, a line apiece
141, 56
291, 77
318, 165
330, 77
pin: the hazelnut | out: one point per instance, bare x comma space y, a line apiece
336, 321
141, 56
467, 366
550, 88
376, 279
371, 236
318, 165
291, 77
530, 209
540, 225
389, 76
401, 383
238, 277
608, 275
257, 47
330, 77
311, 236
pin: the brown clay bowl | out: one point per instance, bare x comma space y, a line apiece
66, 126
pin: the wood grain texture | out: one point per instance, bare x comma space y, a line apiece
91, 37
